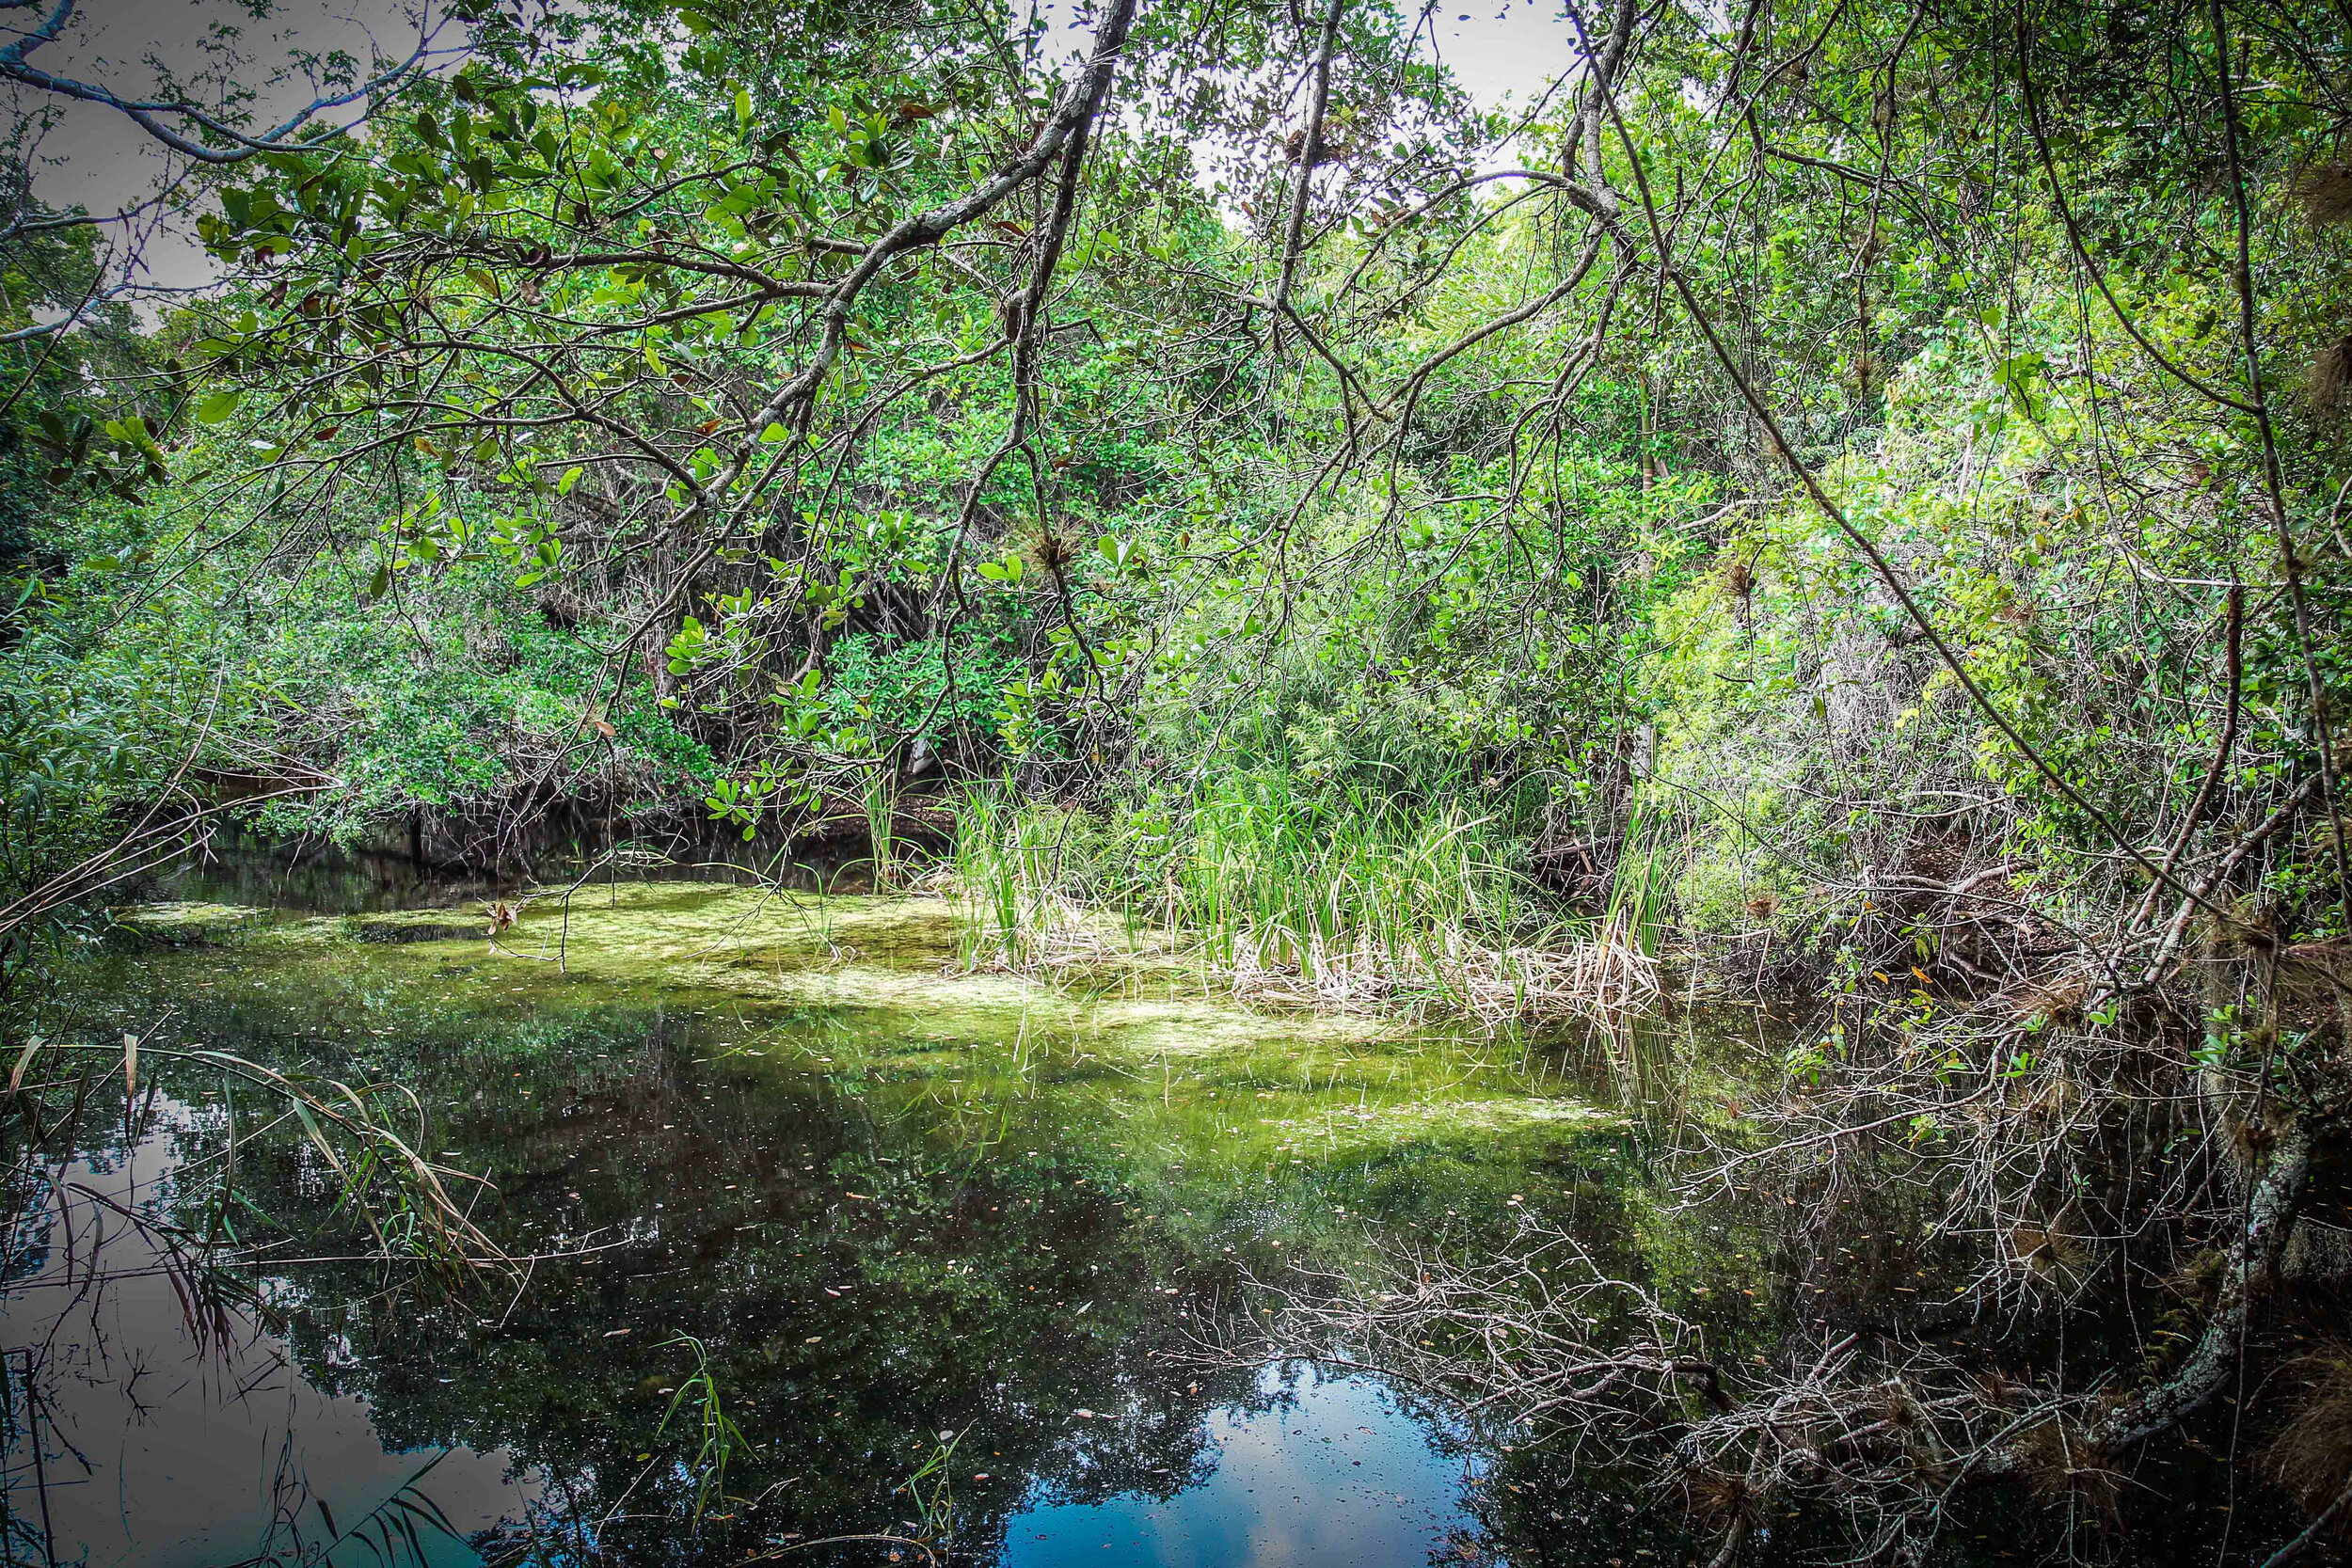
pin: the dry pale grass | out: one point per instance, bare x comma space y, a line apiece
1054, 932
2311, 1456
2324, 191
2057, 1465
2331, 372
1454, 974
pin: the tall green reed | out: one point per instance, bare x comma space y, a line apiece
1638, 885
696, 1406
1345, 892
1019, 870
1285, 880
878, 797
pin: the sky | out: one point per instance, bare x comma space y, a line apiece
1505, 51
1498, 49
94, 156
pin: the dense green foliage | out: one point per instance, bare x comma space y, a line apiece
565, 420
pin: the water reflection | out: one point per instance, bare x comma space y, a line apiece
881, 1219
1316, 1472
167, 1428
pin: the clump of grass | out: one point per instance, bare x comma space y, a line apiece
368, 1137
2311, 1456
933, 1492
2326, 192
2331, 373
1021, 875
1637, 889
878, 797
696, 1404
1355, 901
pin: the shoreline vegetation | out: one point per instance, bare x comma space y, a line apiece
1355, 911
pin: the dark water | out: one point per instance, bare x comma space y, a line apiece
456, 868
912, 1228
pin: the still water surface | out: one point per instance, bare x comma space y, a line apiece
908, 1216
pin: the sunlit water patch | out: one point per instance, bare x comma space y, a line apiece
1316, 1472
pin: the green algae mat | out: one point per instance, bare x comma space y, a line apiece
898, 1226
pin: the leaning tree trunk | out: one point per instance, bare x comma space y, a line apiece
2269, 1218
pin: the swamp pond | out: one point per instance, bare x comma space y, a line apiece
932, 1255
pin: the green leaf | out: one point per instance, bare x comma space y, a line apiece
571, 477
221, 404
